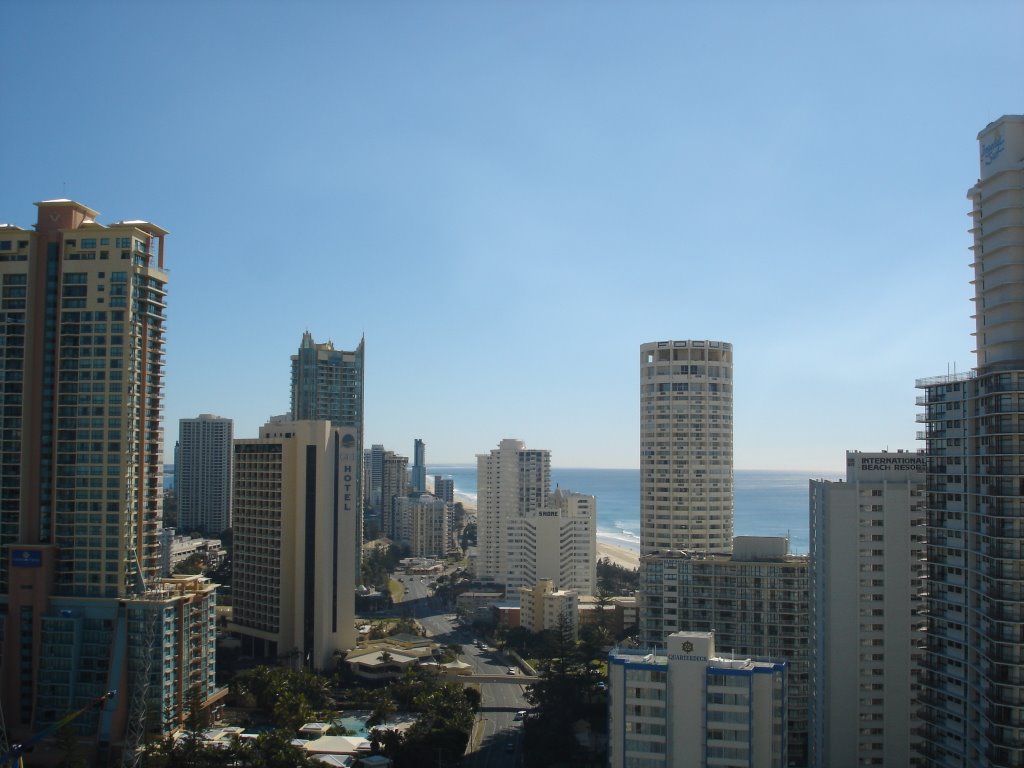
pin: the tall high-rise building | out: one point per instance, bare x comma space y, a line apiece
755, 600
296, 506
202, 473
374, 472
973, 678
418, 473
512, 481
867, 599
84, 609
394, 483
686, 478
444, 488
327, 384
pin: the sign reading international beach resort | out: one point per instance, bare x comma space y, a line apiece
902, 462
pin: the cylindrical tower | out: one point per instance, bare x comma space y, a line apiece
686, 476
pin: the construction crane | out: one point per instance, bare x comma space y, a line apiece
12, 758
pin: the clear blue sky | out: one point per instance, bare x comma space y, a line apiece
507, 199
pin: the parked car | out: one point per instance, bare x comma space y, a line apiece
520, 714
510, 671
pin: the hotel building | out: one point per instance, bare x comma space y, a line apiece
867, 600
692, 706
972, 693
84, 610
686, 491
202, 474
327, 384
755, 601
296, 503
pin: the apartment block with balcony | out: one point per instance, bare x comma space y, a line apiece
972, 684
82, 330
690, 705
867, 610
755, 601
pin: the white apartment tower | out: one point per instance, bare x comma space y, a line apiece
202, 474
695, 707
296, 506
686, 478
556, 542
512, 481
972, 693
867, 598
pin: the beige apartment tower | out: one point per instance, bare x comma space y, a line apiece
296, 502
867, 600
82, 605
686, 476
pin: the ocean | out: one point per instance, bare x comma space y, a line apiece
767, 503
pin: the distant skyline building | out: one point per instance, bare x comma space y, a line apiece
84, 608
867, 538
421, 522
394, 483
755, 600
694, 706
418, 473
296, 508
512, 481
686, 439
444, 488
202, 474
973, 678
327, 383
374, 472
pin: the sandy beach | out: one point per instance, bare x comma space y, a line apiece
627, 558
624, 556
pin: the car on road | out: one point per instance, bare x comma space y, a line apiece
520, 714
510, 671
510, 746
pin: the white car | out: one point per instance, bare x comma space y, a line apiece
510, 671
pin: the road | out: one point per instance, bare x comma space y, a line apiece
496, 726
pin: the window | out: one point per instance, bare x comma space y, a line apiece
5, 245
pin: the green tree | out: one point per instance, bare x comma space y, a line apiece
70, 749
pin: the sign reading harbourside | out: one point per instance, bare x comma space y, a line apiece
26, 558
